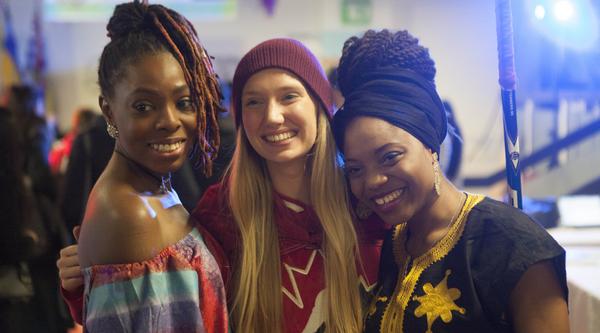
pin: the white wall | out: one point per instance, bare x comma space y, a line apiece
459, 33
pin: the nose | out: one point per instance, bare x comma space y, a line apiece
375, 179
169, 119
274, 114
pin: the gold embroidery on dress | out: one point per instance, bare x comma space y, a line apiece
373, 306
438, 302
393, 316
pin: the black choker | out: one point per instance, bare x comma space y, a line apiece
164, 182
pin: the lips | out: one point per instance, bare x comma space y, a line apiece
388, 199
279, 137
167, 147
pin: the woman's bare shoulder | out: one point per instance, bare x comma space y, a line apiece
118, 223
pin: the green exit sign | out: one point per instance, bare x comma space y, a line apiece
357, 12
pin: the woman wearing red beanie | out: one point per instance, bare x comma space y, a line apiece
281, 214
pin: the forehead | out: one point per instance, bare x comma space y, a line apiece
366, 135
154, 70
271, 79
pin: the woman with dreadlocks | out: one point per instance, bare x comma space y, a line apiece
145, 267
454, 261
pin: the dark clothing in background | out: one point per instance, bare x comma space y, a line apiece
89, 155
31, 231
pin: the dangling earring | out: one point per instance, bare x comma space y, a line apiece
362, 211
437, 178
112, 130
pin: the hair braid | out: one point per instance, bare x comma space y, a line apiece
137, 29
376, 49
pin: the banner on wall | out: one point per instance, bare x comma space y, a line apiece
9, 62
101, 10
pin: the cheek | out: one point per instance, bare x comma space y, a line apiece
355, 187
249, 122
423, 178
308, 123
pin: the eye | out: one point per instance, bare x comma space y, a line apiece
352, 171
143, 107
290, 97
251, 102
185, 104
391, 158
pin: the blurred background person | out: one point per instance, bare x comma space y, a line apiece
58, 158
32, 231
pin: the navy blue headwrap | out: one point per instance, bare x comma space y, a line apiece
401, 97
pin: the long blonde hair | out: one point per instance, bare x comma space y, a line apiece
257, 306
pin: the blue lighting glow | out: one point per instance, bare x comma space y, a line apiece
564, 10
540, 12
571, 24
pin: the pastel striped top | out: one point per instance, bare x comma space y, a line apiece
179, 290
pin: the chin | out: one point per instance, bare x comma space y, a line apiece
169, 168
392, 218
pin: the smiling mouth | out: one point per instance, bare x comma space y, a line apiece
280, 137
167, 147
380, 201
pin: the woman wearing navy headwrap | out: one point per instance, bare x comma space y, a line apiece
455, 261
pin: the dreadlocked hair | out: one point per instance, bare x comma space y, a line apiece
376, 49
136, 30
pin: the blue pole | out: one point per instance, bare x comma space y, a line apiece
507, 78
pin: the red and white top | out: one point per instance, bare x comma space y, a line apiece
300, 239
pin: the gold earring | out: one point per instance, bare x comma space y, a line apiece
437, 178
112, 130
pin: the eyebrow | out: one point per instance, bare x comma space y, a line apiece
280, 89
384, 147
145, 91
180, 89
377, 151
142, 90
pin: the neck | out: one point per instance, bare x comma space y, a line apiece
290, 179
150, 181
430, 225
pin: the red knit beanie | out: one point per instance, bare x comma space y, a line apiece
287, 54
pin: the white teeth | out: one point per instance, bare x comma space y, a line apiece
166, 148
388, 198
280, 137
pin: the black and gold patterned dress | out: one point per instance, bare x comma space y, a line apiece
463, 283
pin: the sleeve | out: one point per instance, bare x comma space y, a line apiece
217, 252
511, 243
74, 301
214, 221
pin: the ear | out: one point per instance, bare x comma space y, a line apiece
430, 153
105, 108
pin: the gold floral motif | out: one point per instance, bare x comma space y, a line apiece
438, 302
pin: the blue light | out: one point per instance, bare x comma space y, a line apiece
564, 10
540, 12
571, 24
